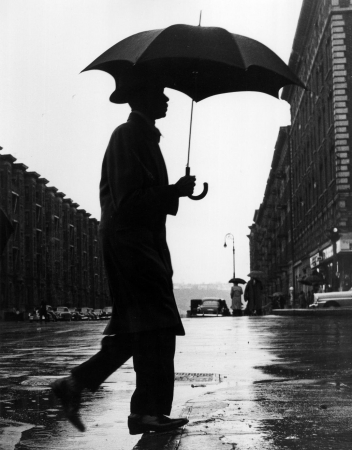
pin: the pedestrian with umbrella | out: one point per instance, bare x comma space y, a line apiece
236, 296
136, 197
253, 294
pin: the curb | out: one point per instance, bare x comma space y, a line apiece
313, 312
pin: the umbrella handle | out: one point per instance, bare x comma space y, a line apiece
205, 188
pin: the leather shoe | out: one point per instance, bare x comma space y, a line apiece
139, 424
69, 392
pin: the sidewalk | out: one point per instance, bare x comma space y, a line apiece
318, 312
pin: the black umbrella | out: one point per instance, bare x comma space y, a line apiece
6, 229
237, 280
198, 61
312, 280
256, 274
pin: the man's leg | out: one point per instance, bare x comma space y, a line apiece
153, 359
115, 351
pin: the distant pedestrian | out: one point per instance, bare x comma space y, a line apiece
43, 312
236, 296
282, 301
302, 303
253, 295
310, 297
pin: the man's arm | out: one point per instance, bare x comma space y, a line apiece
127, 179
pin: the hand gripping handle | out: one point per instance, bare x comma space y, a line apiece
205, 189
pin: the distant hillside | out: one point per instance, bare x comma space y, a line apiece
185, 295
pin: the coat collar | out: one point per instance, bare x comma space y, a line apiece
148, 126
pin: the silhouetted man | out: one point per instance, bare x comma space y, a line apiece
135, 199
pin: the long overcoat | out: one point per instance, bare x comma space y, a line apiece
135, 199
253, 294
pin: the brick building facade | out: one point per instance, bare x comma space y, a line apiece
53, 254
305, 221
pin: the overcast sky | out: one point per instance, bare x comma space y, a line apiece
58, 122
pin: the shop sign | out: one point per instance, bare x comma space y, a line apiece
328, 252
316, 259
344, 244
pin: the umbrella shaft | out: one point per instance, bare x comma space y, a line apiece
190, 134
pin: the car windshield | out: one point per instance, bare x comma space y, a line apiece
210, 303
108, 309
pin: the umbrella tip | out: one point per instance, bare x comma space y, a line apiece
200, 18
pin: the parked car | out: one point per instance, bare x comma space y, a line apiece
106, 313
51, 313
88, 313
96, 313
75, 314
63, 313
195, 303
332, 300
213, 305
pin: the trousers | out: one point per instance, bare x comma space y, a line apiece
153, 361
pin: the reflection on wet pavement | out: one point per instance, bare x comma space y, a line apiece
286, 383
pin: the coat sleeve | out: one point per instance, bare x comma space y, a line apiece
128, 179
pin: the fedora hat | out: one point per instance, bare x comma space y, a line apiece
131, 81
127, 84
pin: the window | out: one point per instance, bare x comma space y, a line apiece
16, 230
14, 202
57, 270
56, 226
72, 234
330, 109
15, 259
27, 244
39, 240
332, 163
39, 264
57, 249
38, 210
321, 176
344, 3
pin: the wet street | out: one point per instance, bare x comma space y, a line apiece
245, 382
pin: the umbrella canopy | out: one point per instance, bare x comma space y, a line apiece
311, 280
237, 280
6, 229
198, 61
278, 294
256, 274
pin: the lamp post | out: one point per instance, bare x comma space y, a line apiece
230, 236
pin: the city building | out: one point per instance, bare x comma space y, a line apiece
53, 254
304, 225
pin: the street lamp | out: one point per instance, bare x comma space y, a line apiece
230, 236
